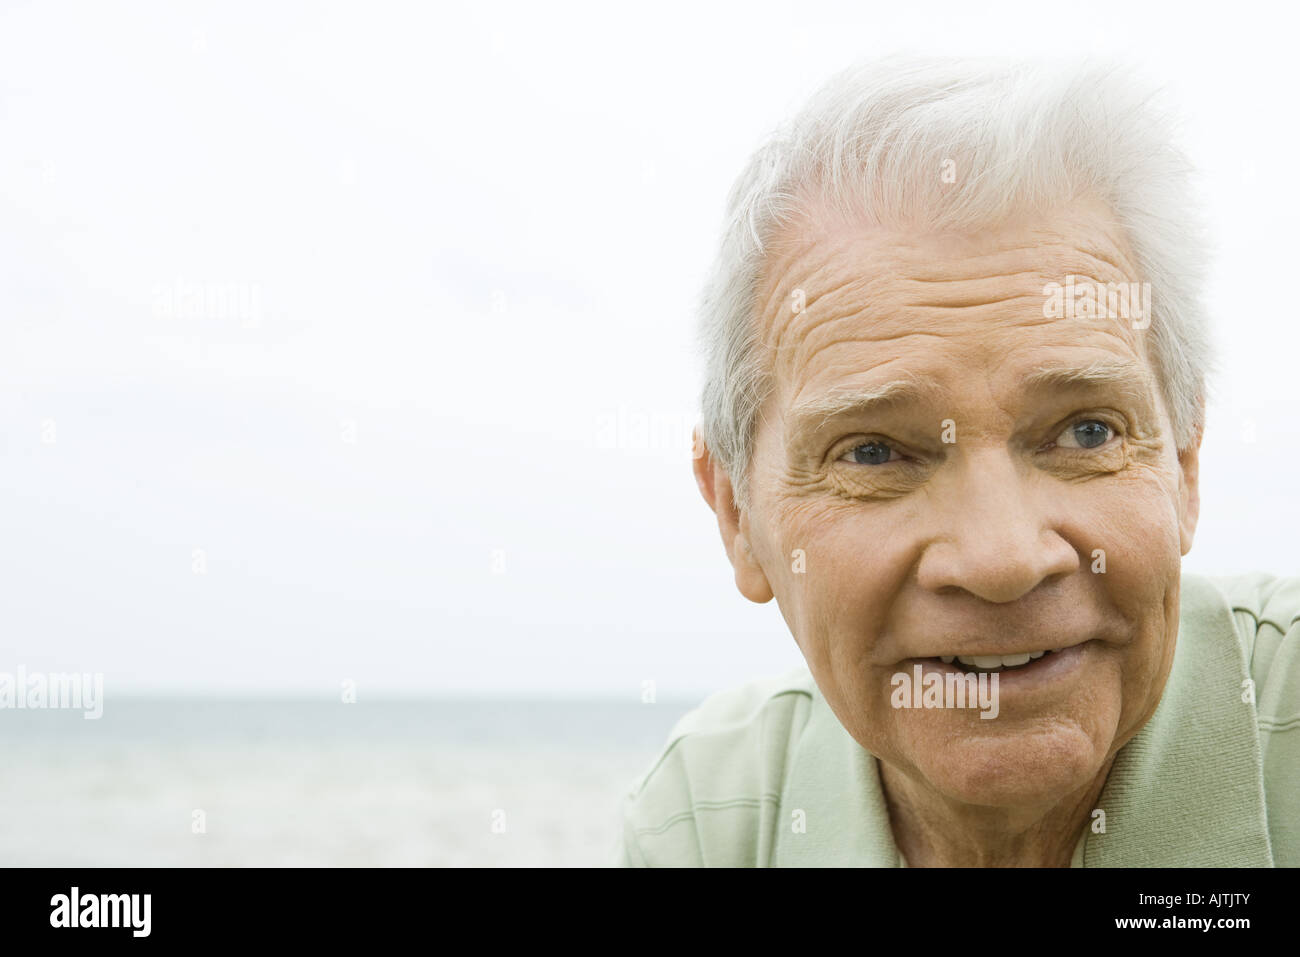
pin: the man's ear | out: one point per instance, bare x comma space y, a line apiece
715, 486
1189, 460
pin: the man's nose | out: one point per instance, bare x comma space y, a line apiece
995, 536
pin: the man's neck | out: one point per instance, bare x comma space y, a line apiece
932, 830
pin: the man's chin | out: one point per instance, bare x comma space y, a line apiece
1020, 770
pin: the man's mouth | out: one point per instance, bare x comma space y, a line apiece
978, 664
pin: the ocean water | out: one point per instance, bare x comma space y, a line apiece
296, 783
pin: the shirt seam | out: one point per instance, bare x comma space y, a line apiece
1279, 724
1283, 629
770, 796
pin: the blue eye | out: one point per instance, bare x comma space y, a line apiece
871, 453
1087, 434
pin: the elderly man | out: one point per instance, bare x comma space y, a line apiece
953, 407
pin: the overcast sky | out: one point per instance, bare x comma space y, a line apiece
355, 341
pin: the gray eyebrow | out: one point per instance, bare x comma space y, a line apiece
850, 401
1129, 377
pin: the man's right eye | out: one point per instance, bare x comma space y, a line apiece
870, 453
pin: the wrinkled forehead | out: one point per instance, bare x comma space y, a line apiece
838, 296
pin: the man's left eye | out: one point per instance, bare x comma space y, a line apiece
1087, 434
871, 453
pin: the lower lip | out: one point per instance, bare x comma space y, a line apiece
1048, 669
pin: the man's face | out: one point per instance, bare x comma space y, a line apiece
995, 483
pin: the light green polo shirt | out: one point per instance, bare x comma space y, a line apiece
1212, 780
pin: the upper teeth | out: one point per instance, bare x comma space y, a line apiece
993, 661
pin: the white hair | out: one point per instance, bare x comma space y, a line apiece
1025, 136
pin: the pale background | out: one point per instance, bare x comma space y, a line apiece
427, 416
